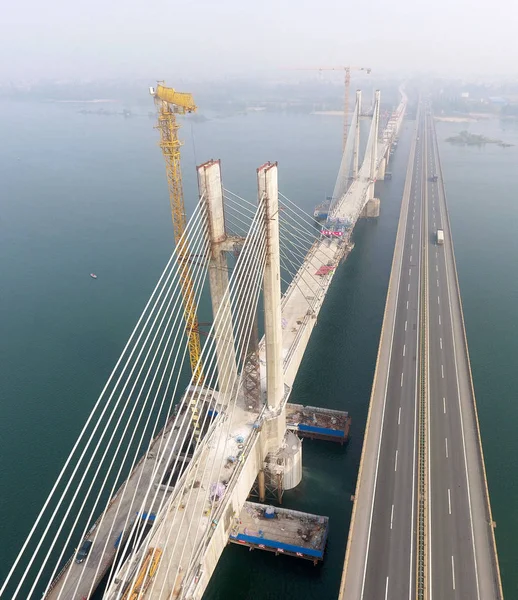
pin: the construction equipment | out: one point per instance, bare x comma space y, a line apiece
347, 70
169, 103
146, 573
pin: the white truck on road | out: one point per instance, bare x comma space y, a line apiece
440, 237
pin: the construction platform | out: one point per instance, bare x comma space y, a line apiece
318, 423
281, 530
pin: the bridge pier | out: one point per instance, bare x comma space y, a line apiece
382, 168
210, 188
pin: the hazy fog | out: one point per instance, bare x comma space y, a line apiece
165, 38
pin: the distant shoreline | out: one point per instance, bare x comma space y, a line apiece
95, 101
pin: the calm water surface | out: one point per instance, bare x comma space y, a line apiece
82, 193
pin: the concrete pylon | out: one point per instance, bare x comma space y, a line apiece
210, 188
268, 189
376, 123
356, 151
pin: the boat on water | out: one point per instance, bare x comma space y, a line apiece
93, 275
321, 211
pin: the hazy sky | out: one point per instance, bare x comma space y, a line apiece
165, 38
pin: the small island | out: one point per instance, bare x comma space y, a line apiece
465, 138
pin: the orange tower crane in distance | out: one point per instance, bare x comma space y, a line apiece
170, 103
347, 70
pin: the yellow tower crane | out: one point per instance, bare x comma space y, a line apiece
347, 88
169, 103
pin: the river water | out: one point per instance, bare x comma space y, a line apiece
86, 193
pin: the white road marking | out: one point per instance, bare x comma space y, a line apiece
408, 287
399, 416
436, 255
395, 463
444, 405
453, 572
446, 446
386, 589
401, 379
411, 246
442, 371
412, 236
437, 267
409, 272
440, 342
391, 519
404, 349
439, 319
449, 502
438, 300
406, 324
407, 304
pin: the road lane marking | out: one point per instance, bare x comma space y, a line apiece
436, 255
412, 236
453, 572
386, 587
404, 349
440, 342
438, 300
410, 258
462, 434
409, 272
395, 464
401, 379
399, 416
444, 405
449, 502
437, 267
406, 323
411, 246
407, 304
408, 287
442, 371
439, 319
446, 446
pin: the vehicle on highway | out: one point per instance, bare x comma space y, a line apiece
83, 551
434, 178
440, 237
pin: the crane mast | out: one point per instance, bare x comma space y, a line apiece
169, 103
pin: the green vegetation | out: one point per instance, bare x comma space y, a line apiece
465, 138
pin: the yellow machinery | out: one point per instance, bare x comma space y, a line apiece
169, 103
146, 573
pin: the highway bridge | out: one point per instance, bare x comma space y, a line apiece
422, 524
160, 473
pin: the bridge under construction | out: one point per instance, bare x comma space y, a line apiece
163, 475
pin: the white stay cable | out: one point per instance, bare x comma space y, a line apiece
207, 348
122, 414
251, 295
198, 278
153, 301
205, 488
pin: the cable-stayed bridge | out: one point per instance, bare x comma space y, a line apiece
160, 472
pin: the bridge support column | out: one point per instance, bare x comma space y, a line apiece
374, 140
268, 189
210, 187
382, 168
356, 151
